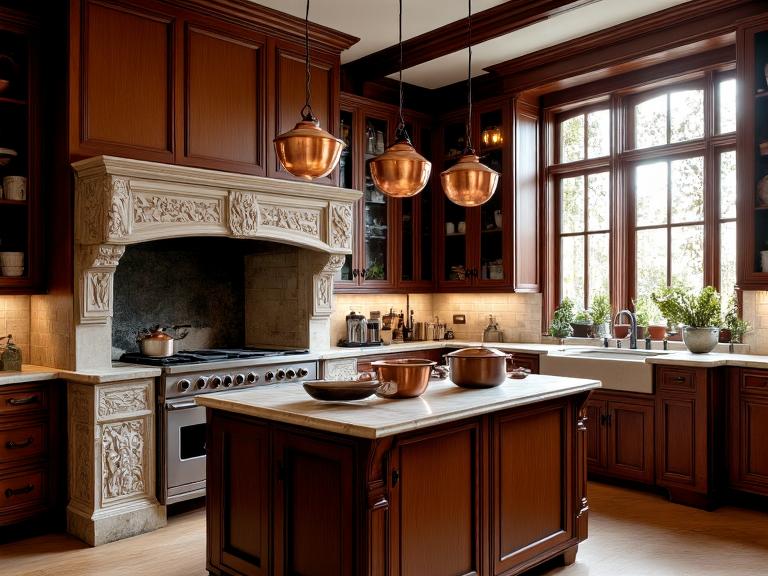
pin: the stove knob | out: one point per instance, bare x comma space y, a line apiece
227, 381
183, 385
214, 382
281, 374
201, 382
290, 373
302, 372
239, 379
252, 378
269, 376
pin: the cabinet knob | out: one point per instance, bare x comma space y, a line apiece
355, 273
362, 273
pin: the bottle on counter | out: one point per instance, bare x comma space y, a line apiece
10, 355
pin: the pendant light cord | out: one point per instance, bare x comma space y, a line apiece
469, 79
306, 112
401, 133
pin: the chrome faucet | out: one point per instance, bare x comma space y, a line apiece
632, 326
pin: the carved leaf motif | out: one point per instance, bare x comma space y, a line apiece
89, 202
335, 263
118, 211
122, 446
341, 225
323, 290
116, 401
157, 209
306, 221
243, 213
99, 291
342, 371
108, 255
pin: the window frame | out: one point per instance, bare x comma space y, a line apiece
620, 164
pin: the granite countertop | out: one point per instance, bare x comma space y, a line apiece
28, 373
118, 371
374, 417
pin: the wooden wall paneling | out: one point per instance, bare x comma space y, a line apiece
526, 198
121, 81
222, 114
289, 94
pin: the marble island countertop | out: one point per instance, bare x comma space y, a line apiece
374, 417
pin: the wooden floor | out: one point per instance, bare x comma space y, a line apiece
630, 534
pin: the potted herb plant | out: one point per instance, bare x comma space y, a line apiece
733, 327
561, 320
699, 313
649, 315
582, 324
601, 314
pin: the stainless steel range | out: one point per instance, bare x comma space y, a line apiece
181, 423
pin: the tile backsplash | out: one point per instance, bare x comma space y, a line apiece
518, 315
15, 320
755, 312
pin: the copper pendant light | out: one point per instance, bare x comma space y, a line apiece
469, 183
400, 171
308, 151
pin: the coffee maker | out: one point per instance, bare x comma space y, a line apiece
357, 328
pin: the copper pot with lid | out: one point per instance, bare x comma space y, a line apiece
478, 367
157, 342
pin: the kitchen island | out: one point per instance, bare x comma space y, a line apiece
456, 481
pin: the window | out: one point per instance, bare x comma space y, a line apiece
673, 178
584, 205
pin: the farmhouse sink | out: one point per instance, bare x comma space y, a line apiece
616, 368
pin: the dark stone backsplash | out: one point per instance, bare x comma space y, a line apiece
197, 281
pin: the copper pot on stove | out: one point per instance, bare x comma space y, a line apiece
158, 342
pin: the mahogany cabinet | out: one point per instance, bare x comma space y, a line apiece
169, 82
689, 433
752, 153
493, 246
364, 362
529, 361
620, 436
493, 494
31, 465
393, 239
748, 430
21, 204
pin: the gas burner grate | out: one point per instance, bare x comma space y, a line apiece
205, 355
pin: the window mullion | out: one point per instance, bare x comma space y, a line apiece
586, 235
669, 218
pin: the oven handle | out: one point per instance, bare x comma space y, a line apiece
181, 405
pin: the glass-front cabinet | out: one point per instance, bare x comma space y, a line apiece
475, 242
752, 153
392, 246
20, 210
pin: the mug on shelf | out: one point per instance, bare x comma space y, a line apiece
449, 228
15, 188
462, 227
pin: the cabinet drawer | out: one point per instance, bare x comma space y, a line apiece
22, 489
20, 400
755, 382
529, 361
676, 379
23, 442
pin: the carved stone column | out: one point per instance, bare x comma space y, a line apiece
112, 461
322, 299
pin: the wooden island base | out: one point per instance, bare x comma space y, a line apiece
494, 494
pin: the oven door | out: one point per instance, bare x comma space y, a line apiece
183, 445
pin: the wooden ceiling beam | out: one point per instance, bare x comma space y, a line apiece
488, 24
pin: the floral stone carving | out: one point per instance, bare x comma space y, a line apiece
122, 446
162, 209
299, 220
243, 213
118, 401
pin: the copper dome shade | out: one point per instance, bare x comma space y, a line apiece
308, 151
469, 182
400, 171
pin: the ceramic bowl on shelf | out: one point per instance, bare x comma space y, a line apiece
340, 390
12, 259
13, 270
6, 154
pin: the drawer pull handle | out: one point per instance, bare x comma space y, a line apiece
18, 491
678, 379
23, 444
22, 401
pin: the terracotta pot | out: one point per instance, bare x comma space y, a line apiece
657, 331
622, 331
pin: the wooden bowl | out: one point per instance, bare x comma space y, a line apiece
340, 390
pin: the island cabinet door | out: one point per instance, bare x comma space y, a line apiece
532, 472
314, 506
434, 487
237, 496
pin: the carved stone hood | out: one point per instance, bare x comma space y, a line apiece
119, 201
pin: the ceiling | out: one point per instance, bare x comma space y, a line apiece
375, 22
